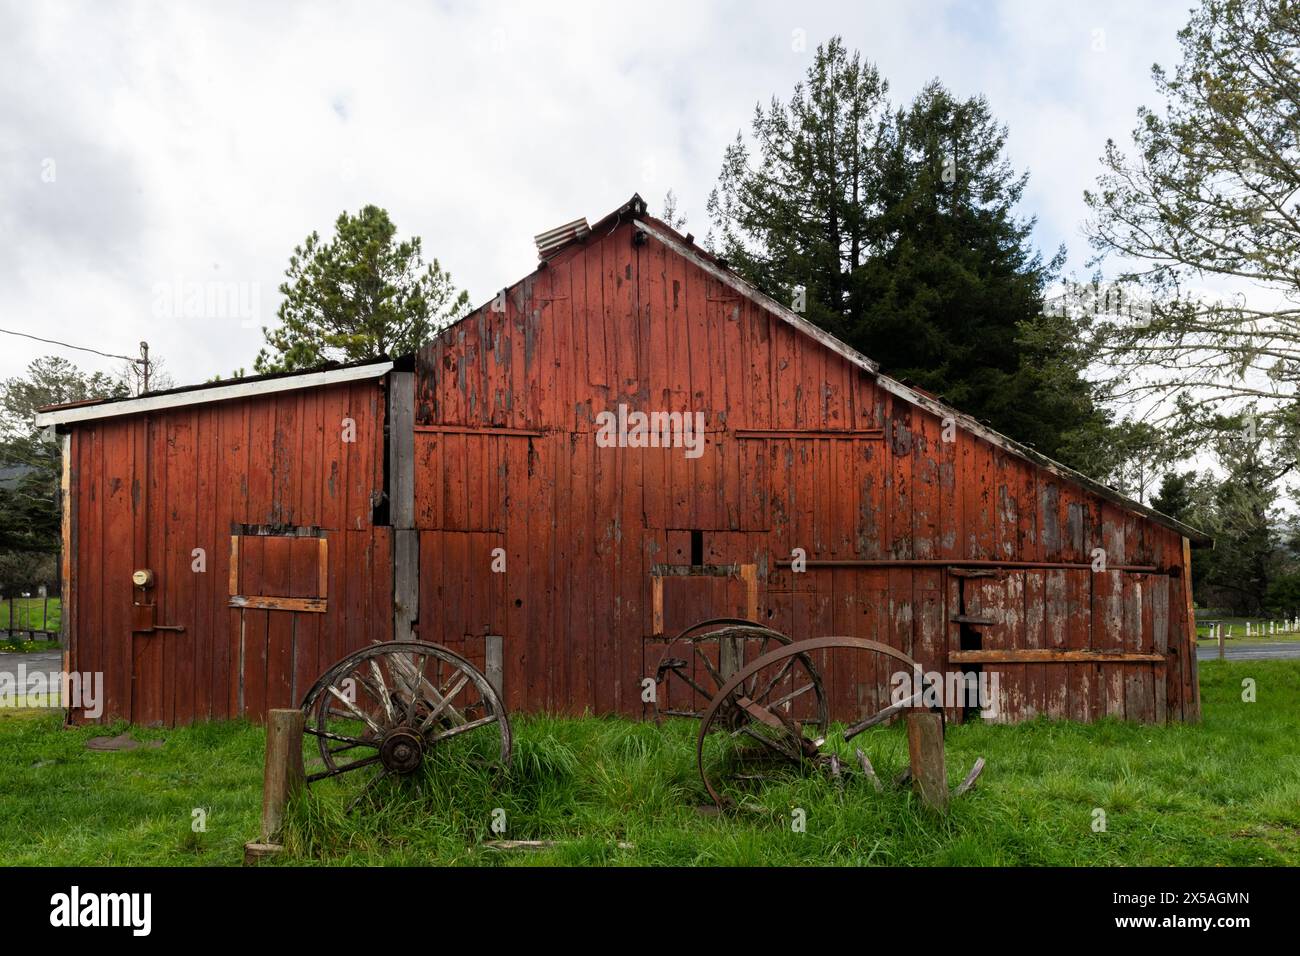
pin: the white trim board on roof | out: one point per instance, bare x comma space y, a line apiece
900, 390
216, 393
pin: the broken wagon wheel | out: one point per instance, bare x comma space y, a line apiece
385, 709
699, 660
755, 704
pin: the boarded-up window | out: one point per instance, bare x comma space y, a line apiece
281, 571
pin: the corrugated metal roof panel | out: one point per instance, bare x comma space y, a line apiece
553, 240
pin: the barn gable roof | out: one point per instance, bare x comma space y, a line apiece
634, 211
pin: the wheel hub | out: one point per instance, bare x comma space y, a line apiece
402, 750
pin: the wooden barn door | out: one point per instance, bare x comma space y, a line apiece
279, 594
164, 539
1063, 643
683, 595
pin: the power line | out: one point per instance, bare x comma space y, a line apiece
80, 348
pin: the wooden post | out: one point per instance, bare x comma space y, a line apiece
1219, 629
282, 776
494, 664
401, 504
925, 750
1191, 708
406, 583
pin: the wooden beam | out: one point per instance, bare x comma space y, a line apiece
657, 605
862, 434
266, 603
401, 449
406, 583
957, 563
749, 574
1050, 656
234, 565
486, 430
323, 568
494, 663
65, 537
696, 570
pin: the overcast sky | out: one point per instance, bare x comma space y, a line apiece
149, 149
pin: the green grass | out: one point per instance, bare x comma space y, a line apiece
17, 645
1226, 791
29, 614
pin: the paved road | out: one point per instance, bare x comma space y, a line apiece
1239, 651
44, 661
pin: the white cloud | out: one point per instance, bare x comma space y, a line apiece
200, 144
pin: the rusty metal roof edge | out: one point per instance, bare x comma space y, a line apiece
893, 386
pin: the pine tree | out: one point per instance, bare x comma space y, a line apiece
901, 227
361, 295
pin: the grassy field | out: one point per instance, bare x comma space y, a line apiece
36, 614
1224, 792
1238, 625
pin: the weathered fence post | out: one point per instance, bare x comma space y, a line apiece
281, 777
494, 663
1220, 630
925, 749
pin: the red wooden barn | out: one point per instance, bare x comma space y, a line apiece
471, 494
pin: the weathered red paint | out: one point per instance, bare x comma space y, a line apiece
805, 449
151, 488
612, 320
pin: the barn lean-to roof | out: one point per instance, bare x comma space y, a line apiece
329, 374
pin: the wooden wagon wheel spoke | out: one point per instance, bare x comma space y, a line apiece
763, 648
410, 714
352, 746
769, 722
445, 703
384, 699
691, 682
461, 728
734, 640
881, 716
781, 701
329, 735
772, 684
411, 691
437, 697
773, 743
718, 679
367, 789
337, 771
354, 710
375, 692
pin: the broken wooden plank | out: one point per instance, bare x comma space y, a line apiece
869, 770
314, 605
971, 777
540, 845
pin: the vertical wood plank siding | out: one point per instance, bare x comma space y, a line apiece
804, 449
506, 415
150, 489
